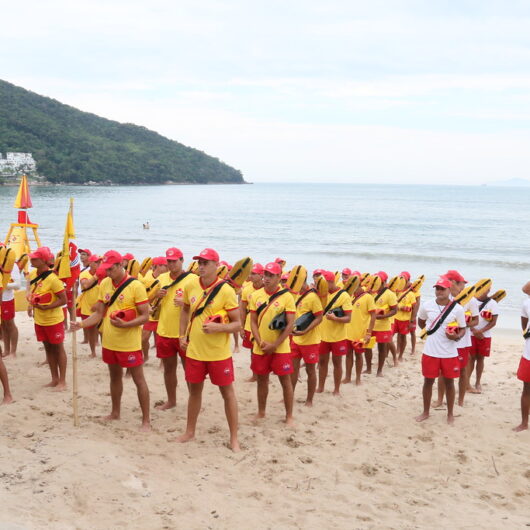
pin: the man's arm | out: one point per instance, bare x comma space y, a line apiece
93, 320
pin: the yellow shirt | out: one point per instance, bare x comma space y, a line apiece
90, 297
407, 302
386, 301
169, 320
336, 331
363, 307
121, 339
308, 304
51, 284
208, 346
246, 293
284, 302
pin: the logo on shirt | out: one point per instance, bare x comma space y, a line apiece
192, 299
107, 296
120, 297
276, 304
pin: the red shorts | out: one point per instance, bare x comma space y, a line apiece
431, 367
168, 347
401, 326
480, 347
247, 343
277, 363
308, 352
413, 327
50, 334
221, 372
151, 325
69, 298
463, 356
382, 337
523, 373
126, 359
358, 349
8, 310
340, 347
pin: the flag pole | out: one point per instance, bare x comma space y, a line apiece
74, 352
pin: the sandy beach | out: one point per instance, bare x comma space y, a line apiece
359, 461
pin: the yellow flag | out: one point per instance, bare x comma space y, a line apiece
69, 233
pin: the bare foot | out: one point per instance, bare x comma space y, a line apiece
234, 445
92, 355
186, 437
51, 384
165, 406
236, 349
367, 371
522, 427
251, 379
422, 417
336, 393
61, 387
437, 404
111, 417
319, 390
259, 416
472, 390
346, 380
358, 382
308, 403
7, 400
379, 374
42, 363
145, 427
289, 421
478, 388
450, 419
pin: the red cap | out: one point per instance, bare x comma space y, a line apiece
285, 277
356, 273
159, 260
279, 260
94, 258
173, 254
318, 272
257, 268
43, 253
110, 258
443, 282
208, 254
328, 276
127, 256
454, 276
383, 275
406, 275
85, 250
273, 268
347, 271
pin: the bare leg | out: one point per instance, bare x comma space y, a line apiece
450, 393
525, 408
401, 344
427, 395
146, 334
349, 366
116, 390
10, 335
231, 412
51, 358
358, 367
263, 392
480, 369
92, 335
194, 408
413, 342
463, 384
170, 380
382, 352
137, 373
441, 393
311, 370
8, 398
393, 351
285, 381
236, 342
368, 355
296, 371
60, 355
337, 373
323, 362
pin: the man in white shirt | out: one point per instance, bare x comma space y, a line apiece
523, 373
481, 338
445, 323
9, 328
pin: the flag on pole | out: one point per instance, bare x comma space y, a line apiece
23, 199
70, 263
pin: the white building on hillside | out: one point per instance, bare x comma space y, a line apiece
17, 162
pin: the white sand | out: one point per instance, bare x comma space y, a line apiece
360, 461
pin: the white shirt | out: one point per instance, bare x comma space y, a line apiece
437, 344
9, 292
525, 312
472, 307
493, 308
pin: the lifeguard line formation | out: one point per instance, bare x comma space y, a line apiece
284, 315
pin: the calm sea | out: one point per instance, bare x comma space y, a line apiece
481, 231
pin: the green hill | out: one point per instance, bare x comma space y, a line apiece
77, 147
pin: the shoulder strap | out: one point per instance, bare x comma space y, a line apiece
205, 300
299, 301
174, 282
154, 284
262, 307
41, 276
359, 297
441, 317
333, 300
117, 292
380, 294
404, 294
91, 286
483, 304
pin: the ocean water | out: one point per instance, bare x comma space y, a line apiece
481, 231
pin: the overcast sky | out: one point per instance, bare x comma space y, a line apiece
355, 91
